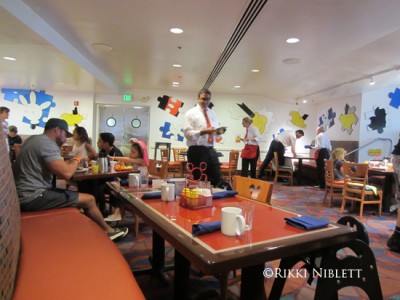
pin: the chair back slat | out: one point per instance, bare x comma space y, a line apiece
255, 189
158, 168
332, 187
178, 156
282, 171
355, 173
164, 154
329, 171
229, 169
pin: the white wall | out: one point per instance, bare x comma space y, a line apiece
338, 132
62, 103
370, 101
229, 114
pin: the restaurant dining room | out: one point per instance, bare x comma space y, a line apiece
152, 107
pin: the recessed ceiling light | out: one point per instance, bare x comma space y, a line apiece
177, 65
236, 87
291, 61
371, 81
255, 70
292, 40
102, 47
175, 82
9, 58
176, 30
305, 101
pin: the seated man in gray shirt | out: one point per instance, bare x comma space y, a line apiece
40, 159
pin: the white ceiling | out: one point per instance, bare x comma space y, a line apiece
340, 41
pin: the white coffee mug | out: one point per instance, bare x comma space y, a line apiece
232, 223
168, 192
134, 180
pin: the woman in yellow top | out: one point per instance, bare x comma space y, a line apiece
138, 158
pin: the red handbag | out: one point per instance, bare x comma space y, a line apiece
249, 151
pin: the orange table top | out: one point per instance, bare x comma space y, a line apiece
270, 237
268, 222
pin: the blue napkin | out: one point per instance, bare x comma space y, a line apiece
124, 182
224, 194
307, 222
199, 229
152, 195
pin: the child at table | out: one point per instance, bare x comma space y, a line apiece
338, 159
82, 143
138, 156
139, 159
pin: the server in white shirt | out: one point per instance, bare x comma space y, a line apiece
200, 123
323, 147
252, 138
285, 139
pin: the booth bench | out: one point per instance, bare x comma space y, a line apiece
56, 254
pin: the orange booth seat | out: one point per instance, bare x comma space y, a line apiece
65, 255
56, 254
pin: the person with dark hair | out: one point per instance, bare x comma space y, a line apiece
394, 241
252, 138
285, 139
13, 137
4, 114
40, 158
106, 145
200, 123
82, 143
323, 147
138, 158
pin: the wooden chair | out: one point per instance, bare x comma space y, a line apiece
229, 169
164, 152
268, 169
254, 189
179, 162
174, 167
356, 188
158, 168
282, 171
332, 187
179, 154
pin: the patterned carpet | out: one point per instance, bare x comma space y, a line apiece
303, 200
